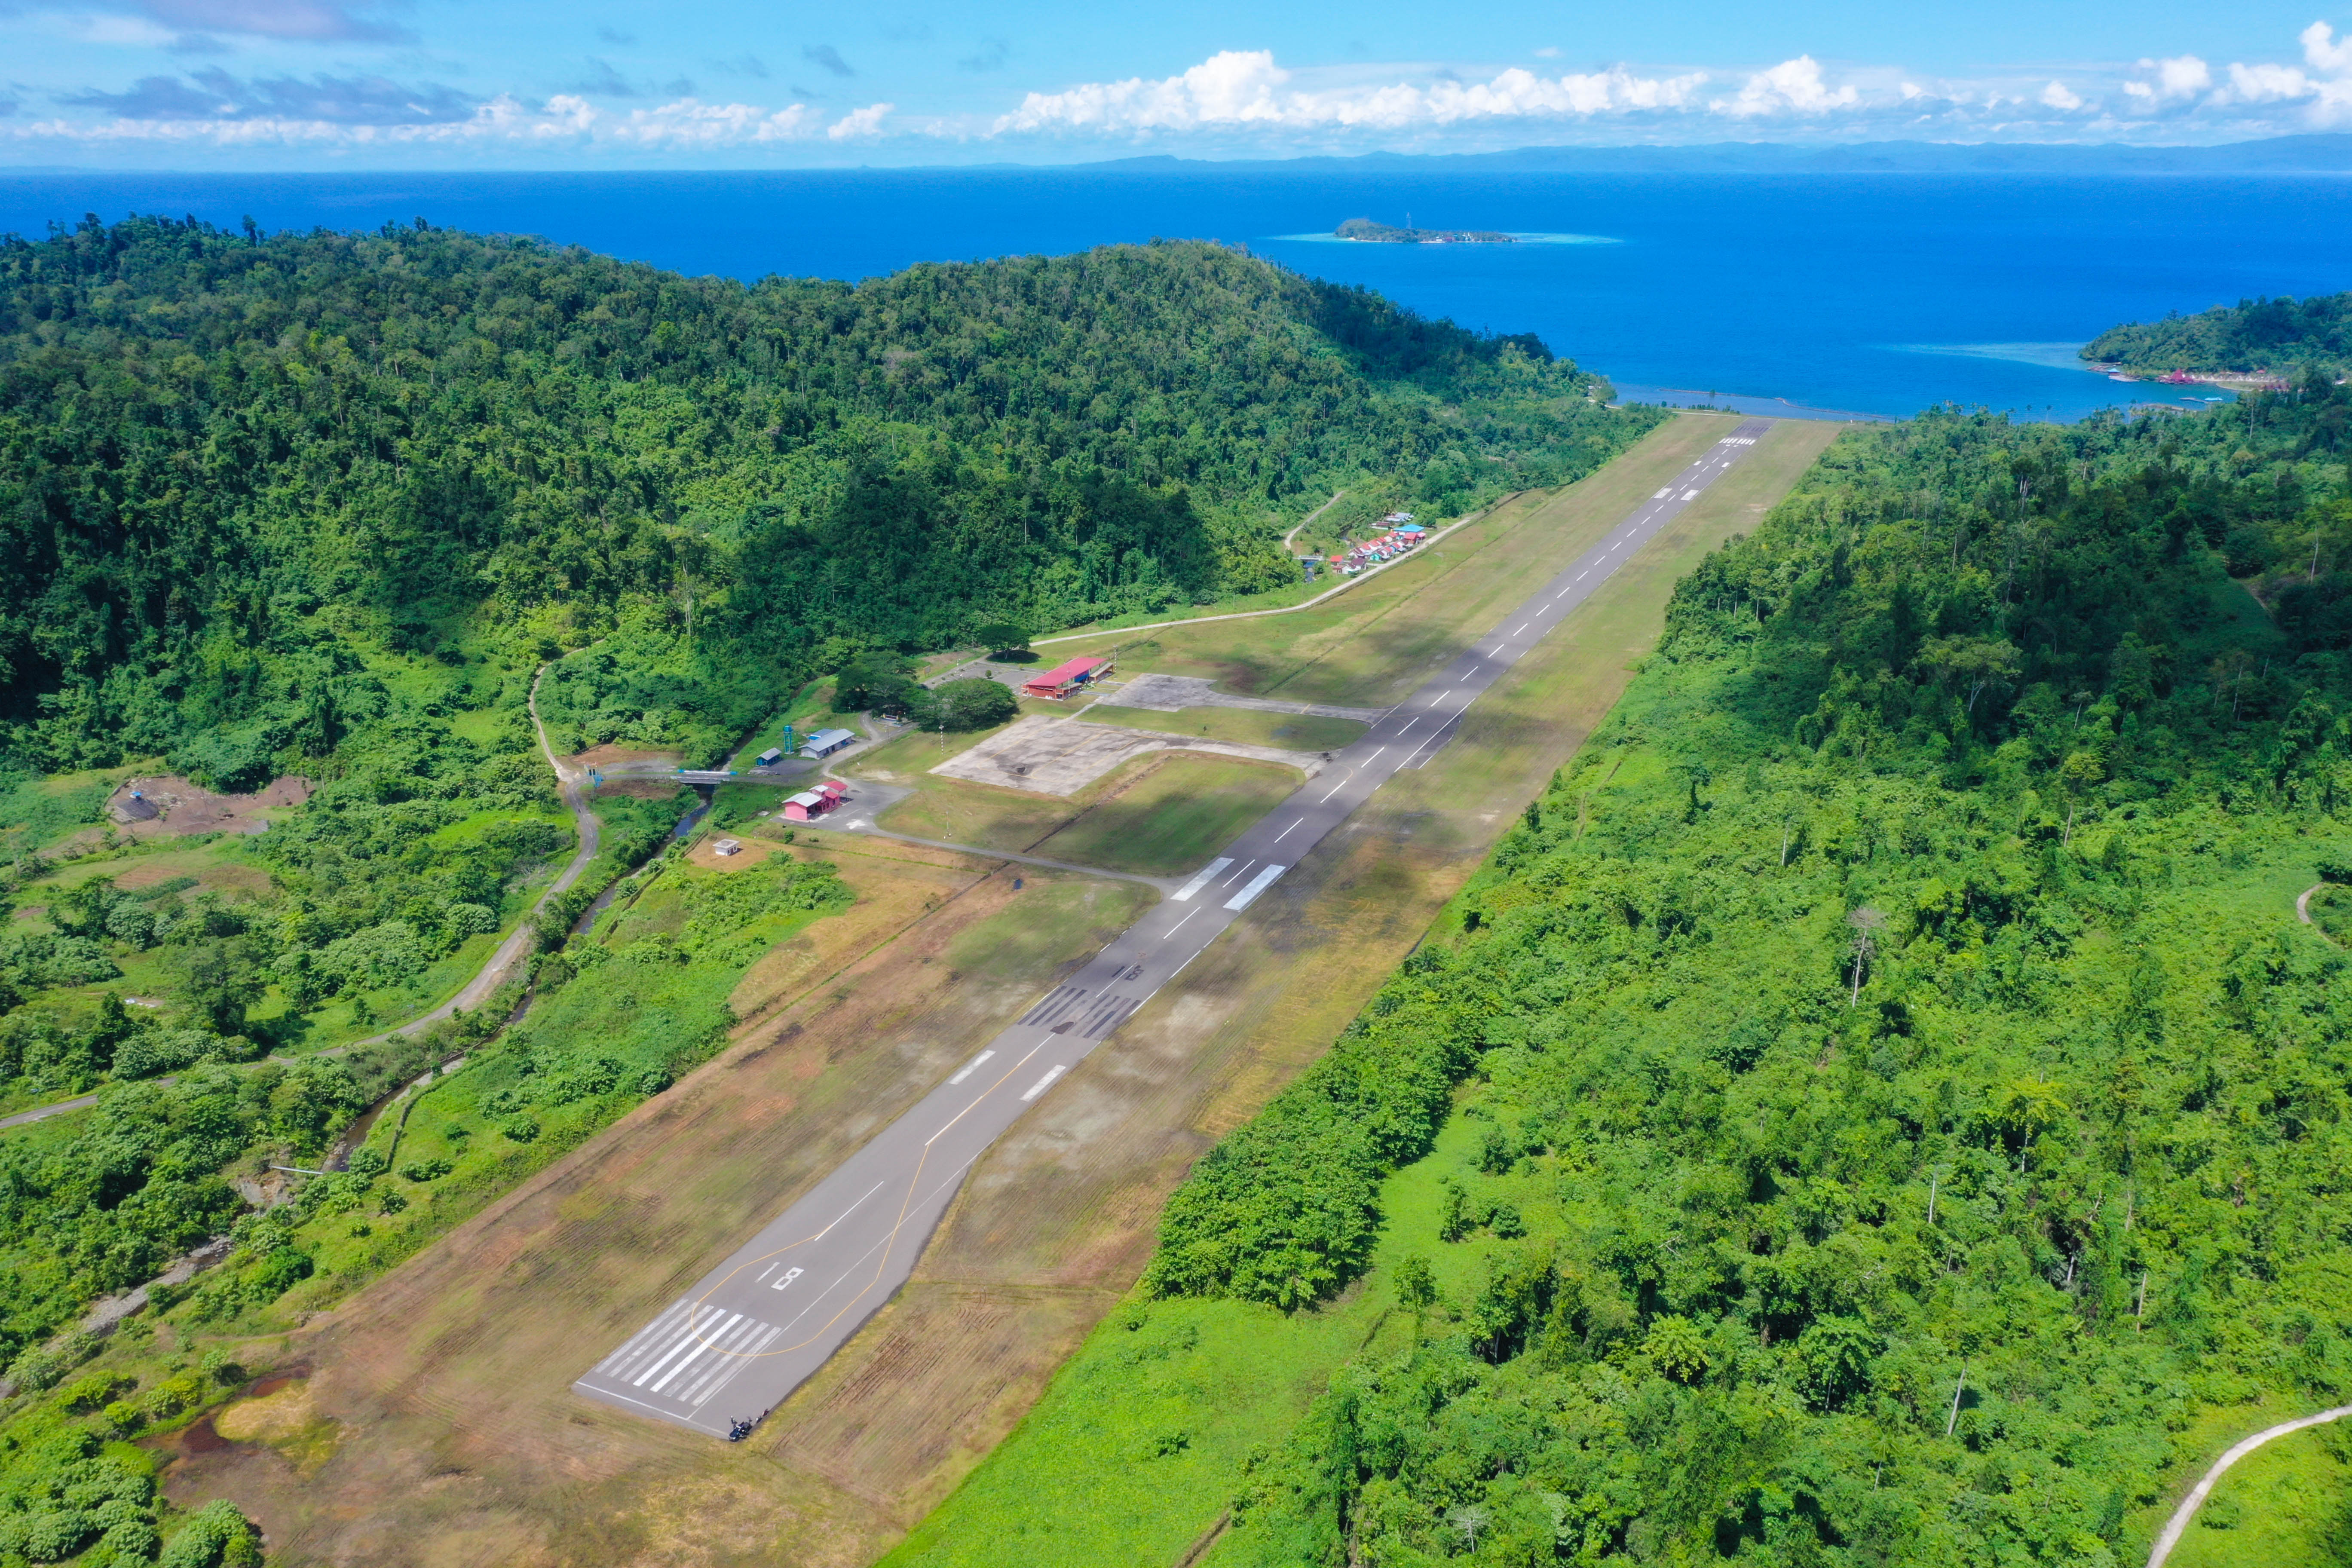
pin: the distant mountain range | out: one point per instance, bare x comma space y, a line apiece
2276, 155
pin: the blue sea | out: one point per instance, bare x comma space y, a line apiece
1870, 295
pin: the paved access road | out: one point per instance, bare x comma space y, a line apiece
752, 1329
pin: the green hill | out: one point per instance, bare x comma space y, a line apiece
223, 456
1877, 1107
2275, 336
327, 503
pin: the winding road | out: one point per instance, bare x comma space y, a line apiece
511, 953
2197, 1495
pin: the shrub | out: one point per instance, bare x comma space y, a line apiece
425, 1170
964, 705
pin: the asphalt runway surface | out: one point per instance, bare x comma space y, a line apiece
759, 1323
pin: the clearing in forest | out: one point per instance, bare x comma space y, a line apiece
460, 1441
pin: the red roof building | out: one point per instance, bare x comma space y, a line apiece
1064, 679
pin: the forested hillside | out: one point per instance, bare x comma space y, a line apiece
2280, 336
226, 459
1904, 1102
325, 507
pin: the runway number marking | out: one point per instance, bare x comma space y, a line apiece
790, 1274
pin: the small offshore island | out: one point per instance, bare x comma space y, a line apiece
1365, 229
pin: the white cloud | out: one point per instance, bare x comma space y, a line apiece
1244, 102
2321, 52
2184, 75
865, 121
2265, 84
688, 122
1245, 88
1791, 86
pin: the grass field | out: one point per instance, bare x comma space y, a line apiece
1159, 815
1241, 726
446, 1380
1070, 1484
1172, 817
2288, 1502
1372, 644
443, 1429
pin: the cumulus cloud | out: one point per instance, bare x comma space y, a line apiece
1791, 86
215, 95
1237, 98
692, 123
1244, 88
865, 121
2182, 76
2323, 53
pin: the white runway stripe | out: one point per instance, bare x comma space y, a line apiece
1257, 884
702, 1343
737, 1362
733, 1346
621, 1363
1201, 878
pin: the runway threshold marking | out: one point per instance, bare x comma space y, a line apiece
1201, 878
1258, 884
739, 1338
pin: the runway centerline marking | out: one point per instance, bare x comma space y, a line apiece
701, 1345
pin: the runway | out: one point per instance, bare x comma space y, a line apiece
755, 1327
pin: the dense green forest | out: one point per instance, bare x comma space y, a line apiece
333, 506
1903, 1100
226, 459
2280, 335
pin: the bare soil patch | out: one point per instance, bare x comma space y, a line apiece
168, 807
461, 1442
1062, 756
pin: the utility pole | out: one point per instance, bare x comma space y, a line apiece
1954, 1419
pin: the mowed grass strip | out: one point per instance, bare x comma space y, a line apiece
1137, 1444
449, 1378
1236, 726
1170, 818
1374, 644
2288, 1501
1157, 814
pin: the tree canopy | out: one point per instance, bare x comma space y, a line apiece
227, 459
2279, 335
1903, 1098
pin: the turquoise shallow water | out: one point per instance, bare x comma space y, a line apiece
1876, 294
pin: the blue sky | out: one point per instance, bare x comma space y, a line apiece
293, 84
